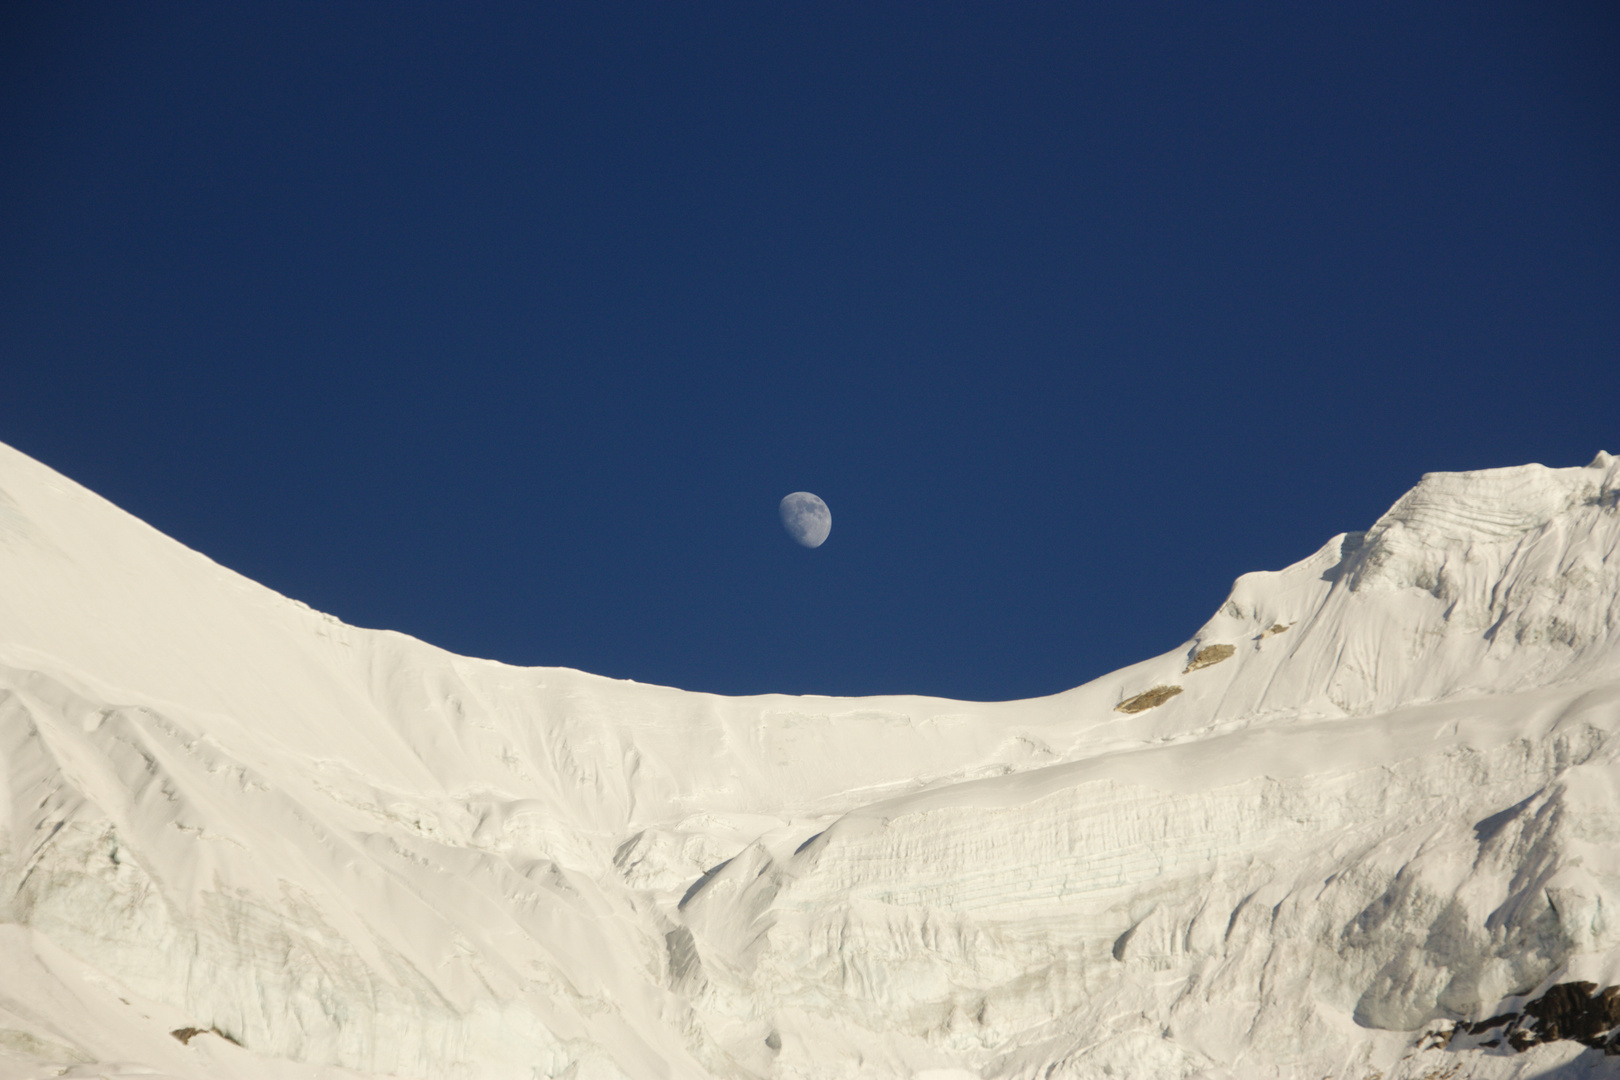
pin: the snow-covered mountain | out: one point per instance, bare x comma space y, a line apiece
1365, 823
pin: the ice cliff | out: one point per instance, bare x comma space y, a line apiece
1364, 823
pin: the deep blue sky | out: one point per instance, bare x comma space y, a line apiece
507, 325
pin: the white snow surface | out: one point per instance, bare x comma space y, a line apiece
346, 853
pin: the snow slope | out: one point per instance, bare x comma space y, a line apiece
1374, 795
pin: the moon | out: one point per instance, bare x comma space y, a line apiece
806, 518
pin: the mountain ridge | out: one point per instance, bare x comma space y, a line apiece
316, 845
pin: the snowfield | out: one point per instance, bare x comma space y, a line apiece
1365, 823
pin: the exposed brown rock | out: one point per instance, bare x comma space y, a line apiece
1147, 700
1209, 654
1576, 1011
1572, 1010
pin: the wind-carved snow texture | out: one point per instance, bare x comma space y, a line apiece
1373, 831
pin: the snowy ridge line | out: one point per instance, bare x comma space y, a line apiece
1381, 807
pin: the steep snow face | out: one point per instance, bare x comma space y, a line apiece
1472, 584
1374, 795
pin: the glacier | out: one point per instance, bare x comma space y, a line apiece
1364, 823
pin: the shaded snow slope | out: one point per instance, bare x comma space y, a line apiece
1375, 794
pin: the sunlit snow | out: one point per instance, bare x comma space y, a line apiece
1374, 795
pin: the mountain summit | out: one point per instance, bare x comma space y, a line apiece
1364, 823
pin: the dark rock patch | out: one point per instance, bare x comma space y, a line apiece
186, 1034
1574, 1011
